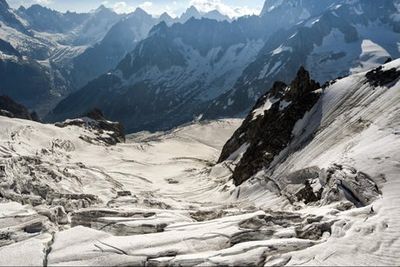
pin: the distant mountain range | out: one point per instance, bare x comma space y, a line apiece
122, 38
46, 54
347, 37
156, 73
209, 69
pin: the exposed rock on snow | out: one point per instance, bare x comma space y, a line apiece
337, 183
105, 131
269, 133
380, 77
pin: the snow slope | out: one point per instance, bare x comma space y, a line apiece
355, 124
359, 127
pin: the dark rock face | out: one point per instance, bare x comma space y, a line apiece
9, 108
27, 82
8, 49
267, 130
380, 77
96, 114
105, 131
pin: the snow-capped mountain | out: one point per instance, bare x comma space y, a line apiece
38, 48
170, 75
327, 195
209, 69
105, 55
348, 37
193, 12
38, 45
73, 28
43, 19
122, 39
9, 18
167, 18
70, 49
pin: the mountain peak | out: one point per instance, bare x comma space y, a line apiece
165, 16
102, 9
140, 12
38, 8
192, 11
302, 84
216, 14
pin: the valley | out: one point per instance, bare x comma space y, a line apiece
200, 138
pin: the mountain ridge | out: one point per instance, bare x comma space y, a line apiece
340, 30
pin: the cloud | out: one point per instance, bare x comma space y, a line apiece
122, 7
157, 9
231, 11
148, 6
43, 2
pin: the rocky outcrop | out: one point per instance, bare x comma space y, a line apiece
381, 77
7, 48
105, 131
9, 108
267, 130
338, 183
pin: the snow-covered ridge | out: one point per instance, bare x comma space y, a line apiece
351, 132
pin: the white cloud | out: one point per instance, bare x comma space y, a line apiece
122, 7
157, 9
43, 2
148, 6
231, 11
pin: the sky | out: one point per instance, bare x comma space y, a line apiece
232, 8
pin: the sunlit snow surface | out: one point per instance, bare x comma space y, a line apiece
184, 210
